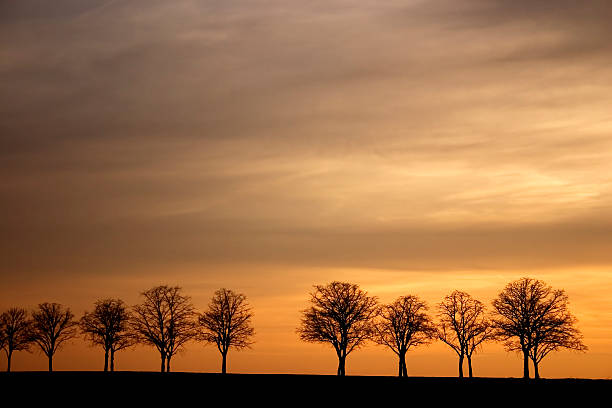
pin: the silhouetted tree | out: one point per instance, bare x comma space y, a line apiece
165, 320
533, 318
463, 326
108, 326
554, 333
404, 324
52, 326
14, 332
341, 314
227, 323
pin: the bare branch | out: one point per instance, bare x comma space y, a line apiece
342, 315
402, 325
108, 326
533, 318
227, 323
52, 326
15, 329
165, 320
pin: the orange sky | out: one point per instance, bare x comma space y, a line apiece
413, 147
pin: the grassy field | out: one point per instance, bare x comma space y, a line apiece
75, 388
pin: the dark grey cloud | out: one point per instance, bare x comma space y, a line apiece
433, 135
32, 10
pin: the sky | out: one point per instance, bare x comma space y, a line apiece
411, 147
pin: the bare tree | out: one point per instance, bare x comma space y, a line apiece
404, 324
553, 333
227, 323
341, 314
533, 318
463, 326
52, 326
14, 332
108, 326
165, 320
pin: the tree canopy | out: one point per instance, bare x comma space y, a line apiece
108, 326
341, 314
227, 323
533, 318
402, 325
166, 320
52, 326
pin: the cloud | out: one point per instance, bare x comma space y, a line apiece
418, 135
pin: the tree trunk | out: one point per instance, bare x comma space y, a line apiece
224, 363
106, 360
403, 370
112, 358
341, 365
163, 363
469, 358
536, 370
461, 366
8, 361
525, 364
168, 364
50, 357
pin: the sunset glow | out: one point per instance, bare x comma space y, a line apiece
411, 147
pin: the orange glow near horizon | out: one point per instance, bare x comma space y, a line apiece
277, 312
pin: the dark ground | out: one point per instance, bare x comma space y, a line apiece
155, 389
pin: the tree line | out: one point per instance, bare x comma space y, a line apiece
166, 320
528, 316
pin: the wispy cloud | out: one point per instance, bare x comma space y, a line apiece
204, 116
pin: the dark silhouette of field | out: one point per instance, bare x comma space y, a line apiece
178, 388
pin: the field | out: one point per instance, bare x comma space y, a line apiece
203, 389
